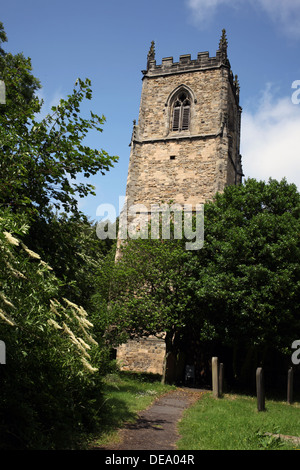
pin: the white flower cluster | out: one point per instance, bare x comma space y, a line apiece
80, 316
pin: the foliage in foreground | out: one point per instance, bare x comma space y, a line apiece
233, 423
50, 383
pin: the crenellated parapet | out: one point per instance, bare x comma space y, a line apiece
168, 66
187, 64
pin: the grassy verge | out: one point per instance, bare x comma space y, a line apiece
124, 395
233, 423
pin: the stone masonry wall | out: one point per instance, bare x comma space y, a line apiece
154, 117
188, 166
143, 355
190, 176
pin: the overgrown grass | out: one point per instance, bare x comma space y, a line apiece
233, 423
125, 394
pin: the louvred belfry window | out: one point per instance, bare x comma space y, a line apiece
181, 113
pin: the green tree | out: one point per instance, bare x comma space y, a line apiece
149, 289
240, 291
249, 273
40, 162
50, 385
151, 292
40, 159
71, 246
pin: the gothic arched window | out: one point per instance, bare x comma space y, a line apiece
181, 112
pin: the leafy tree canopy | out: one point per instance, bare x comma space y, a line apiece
51, 383
242, 287
248, 282
40, 159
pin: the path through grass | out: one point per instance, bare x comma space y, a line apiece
125, 394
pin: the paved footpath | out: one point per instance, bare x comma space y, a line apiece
156, 427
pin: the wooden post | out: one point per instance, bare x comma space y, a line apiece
260, 390
290, 386
221, 379
215, 377
2, 353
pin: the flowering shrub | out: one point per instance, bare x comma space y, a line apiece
50, 381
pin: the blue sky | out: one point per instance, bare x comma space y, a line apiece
108, 42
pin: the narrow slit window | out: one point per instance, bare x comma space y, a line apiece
181, 113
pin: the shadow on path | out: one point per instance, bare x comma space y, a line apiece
156, 427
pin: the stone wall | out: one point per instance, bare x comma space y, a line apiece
142, 355
190, 176
205, 88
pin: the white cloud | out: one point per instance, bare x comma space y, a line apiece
204, 10
284, 13
271, 140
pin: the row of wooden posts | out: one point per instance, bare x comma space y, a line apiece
218, 383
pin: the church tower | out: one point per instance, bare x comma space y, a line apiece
185, 148
186, 144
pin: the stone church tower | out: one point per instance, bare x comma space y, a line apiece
184, 148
